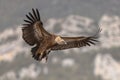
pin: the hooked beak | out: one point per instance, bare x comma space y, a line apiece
63, 42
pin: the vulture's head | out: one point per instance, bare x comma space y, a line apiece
59, 40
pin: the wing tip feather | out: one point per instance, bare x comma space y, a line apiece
32, 17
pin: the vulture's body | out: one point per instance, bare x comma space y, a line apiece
35, 34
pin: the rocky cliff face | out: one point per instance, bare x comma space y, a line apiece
14, 52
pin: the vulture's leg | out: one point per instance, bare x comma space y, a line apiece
38, 52
42, 52
45, 55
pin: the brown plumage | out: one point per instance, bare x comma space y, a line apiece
35, 34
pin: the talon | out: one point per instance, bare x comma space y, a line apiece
46, 58
37, 56
41, 56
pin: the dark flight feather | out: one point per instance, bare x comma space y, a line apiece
30, 18
38, 14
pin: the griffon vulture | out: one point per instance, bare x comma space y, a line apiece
34, 33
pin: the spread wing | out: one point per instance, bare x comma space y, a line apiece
76, 42
33, 30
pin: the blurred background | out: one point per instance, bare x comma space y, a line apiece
67, 18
